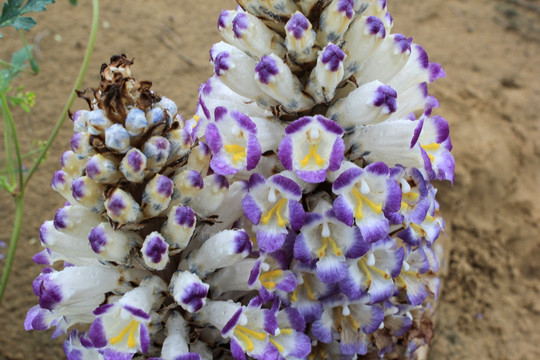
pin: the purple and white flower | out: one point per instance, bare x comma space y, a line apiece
364, 197
312, 146
273, 205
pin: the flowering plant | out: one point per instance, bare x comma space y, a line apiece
292, 217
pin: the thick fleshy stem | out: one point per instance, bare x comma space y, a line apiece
23, 181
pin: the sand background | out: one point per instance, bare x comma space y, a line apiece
489, 307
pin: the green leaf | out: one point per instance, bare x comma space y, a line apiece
13, 11
73, 2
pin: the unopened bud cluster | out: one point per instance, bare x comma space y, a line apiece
292, 217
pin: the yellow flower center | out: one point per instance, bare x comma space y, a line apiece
238, 152
328, 241
276, 209
312, 154
267, 278
360, 200
130, 330
245, 335
431, 147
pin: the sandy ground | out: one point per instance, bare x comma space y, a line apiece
489, 307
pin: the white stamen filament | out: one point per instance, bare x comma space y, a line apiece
265, 266
364, 187
381, 326
314, 134
405, 187
345, 311
406, 266
325, 230
272, 195
370, 261
408, 314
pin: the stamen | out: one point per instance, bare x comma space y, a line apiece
259, 335
336, 249
309, 292
431, 147
418, 229
131, 327
365, 270
322, 249
277, 210
345, 311
271, 275
245, 339
312, 154
360, 199
238, 151
264, 278
277, 345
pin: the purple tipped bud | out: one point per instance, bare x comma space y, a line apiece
80, 144
110, 244
88, 193
157, 150
122, 208
188, 290
157, 195
133, 165
101, 169
221, 250
155, 251
179, 227
80, 120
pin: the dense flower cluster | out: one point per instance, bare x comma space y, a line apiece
292, 217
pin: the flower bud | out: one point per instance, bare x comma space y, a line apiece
122, 208
102, 170
76, 220
80, 145
276, 79
300, 38
72, 164
97, 122
133, 165
88, 193
155, 251
157, 150
117, 138
136, 122
327, 74
370, 103
80, 120
188, 291
179, 227
110, 244
223, 249
156, 195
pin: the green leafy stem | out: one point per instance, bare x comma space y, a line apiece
16, 180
